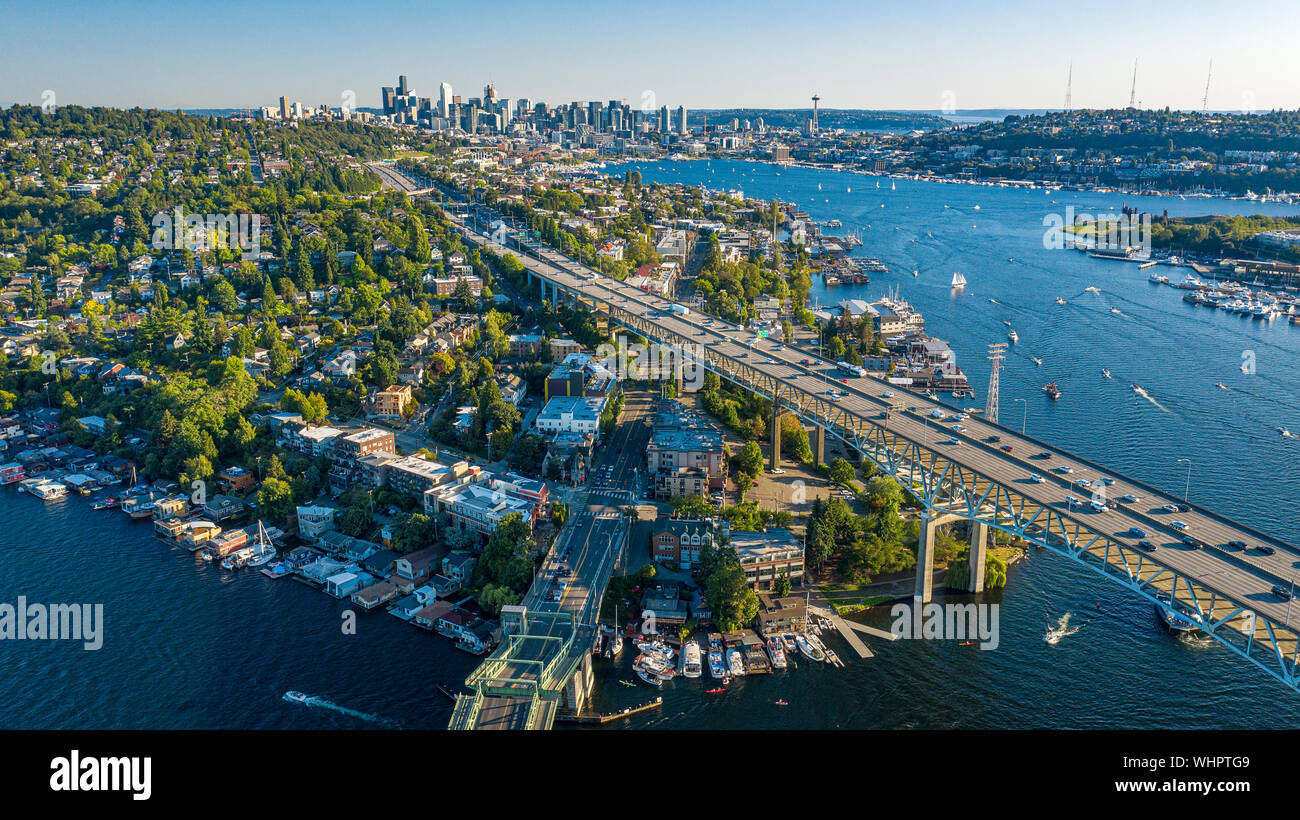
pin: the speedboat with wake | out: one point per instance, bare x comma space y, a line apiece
1105, 374
1061, 630
294, 696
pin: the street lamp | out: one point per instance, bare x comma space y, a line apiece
1024, 417
1188, 488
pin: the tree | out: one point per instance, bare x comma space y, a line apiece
748, 463
728, 594
842, 472
274, 500
783, 584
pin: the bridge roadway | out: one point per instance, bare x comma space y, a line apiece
1230, 590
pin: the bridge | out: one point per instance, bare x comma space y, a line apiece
1014, 483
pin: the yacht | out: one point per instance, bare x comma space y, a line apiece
1036, 360
807, 649
776, 652
788, 643
1013, 336
1173, 618
264, 551
1052, 391
717, 670
1092, 289
1105, 374
294, 696
691, 667
735, 662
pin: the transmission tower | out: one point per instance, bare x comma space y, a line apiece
1069, 81
991, 403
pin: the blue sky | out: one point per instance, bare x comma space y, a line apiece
913, 55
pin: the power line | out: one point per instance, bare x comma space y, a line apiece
991, 403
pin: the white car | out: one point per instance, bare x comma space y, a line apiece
1036, 478
961, 417
1179, 524
958, 428
1170, 508
889, 394
954, 440
936, 414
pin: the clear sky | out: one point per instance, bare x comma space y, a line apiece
760, 54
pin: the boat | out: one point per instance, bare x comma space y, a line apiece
783, 703
1013, 336
807, 649
264, 551
294, 696
735, 662
1052, 390
237, 559
788, 643
1060, 301
648, 677
1006, 322
1092, 289
1105, 374
1036, 360
1221, 385
958, 281
717, 669
1176, 621
776, 652
691, 667
1114, 310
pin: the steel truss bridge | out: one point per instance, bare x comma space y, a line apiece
962, 472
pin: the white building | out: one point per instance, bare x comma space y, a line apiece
572, 414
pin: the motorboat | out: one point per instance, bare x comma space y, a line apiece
776, 652
1060, 301
1036, 360
1105, 373
1052, 390
691, 667
294, 696
735, 662
1174, 619
1013, 336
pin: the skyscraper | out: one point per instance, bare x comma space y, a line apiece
284, 108
681, 120
390, 102
402, 89
663, 120
444, 100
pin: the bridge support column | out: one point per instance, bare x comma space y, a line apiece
775, 460
979, 546
925, 561
821, 445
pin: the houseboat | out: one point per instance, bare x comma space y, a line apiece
12, 473
691, 666
49, 491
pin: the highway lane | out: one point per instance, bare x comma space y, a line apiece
1244, 576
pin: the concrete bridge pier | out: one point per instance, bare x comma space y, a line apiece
579, 686
930, 522
979, 546
821, 446
775, 459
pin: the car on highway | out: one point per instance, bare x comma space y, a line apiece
1043, 454
1083, 482
1106, 480
961, 417
1236, 545
1071, 500
1006, 448
1135, 532
1181, 525
888, 394
1129, 499
1183, 508
1263, 550
805, 361
954, 440
993, 439
958, 428
1170, 508
1063, 469
1191, 542
1282, 592
936, 413
1147, 545
1036, 478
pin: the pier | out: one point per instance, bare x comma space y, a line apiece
852, 639
610, 717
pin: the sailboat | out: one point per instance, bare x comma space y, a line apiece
893, 186
958, 281
264, 552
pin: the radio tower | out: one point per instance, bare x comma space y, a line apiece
1069, 81
1132, 94
991, 403
1205, 101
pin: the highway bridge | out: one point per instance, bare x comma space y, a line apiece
959, 470
972, 469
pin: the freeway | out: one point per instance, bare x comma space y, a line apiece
1245, 576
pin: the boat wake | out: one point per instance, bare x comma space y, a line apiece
1141, 391
323, 703
1062, 630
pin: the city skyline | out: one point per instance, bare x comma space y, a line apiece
953, 60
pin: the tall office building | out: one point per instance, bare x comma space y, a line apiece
681, 120
663, 120
284, 108
390, 101
402, 89
444, 100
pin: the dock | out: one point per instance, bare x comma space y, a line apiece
846, 629
611, 716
